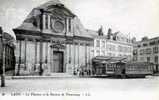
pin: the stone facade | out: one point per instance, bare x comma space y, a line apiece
52, 38
147, 50
112, 45
7, 57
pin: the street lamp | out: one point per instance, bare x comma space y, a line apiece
41, 45
3, 59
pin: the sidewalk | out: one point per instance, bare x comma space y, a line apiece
156, 74
54, 75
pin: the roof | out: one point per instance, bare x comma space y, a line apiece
92, 32
36, 11
52, 3
28, 23
49, 3
28, 26
95, 34
79, 29
139, 63
33, 19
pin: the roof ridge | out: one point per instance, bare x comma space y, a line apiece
49, 3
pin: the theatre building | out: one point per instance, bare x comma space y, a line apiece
52, 40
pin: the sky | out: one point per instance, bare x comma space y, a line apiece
137, 17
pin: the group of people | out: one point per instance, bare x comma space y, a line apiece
82, 72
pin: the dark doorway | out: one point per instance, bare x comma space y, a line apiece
58, 62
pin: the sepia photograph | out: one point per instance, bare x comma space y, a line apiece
79, 49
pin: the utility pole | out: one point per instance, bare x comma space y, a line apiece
41, 45
3, 59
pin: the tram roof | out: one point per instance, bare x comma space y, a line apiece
139, 63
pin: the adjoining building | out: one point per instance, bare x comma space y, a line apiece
112, 44
52, 40
147, 50
7, 56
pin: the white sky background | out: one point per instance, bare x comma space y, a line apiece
138, 17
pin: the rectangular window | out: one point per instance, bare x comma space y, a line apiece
141, 52
156, 59
135, 58
141, 58
98, 53
103, 44
120, 48
46, 21
103, 53
139, 46
148, 51
97, 43
148, 59
145, 44
69, 23
152, 43
112, 47
134, 52
155, 49
109, 54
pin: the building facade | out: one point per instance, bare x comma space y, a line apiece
52, 40
112, 44
7, 56
147, 50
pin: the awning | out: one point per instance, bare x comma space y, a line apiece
109, 60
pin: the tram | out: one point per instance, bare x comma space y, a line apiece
139, 69
119, 67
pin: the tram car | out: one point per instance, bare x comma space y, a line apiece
139, 69
119, 67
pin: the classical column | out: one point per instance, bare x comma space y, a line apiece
41, 56
74, 55
35, 54
49, 22
67, 24
46, 53
78, 53
70, 54
44, 21
85, 54
18, 72
52, 57
72, 26
25, 55
89, 60
49, 57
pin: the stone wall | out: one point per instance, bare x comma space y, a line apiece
76, 56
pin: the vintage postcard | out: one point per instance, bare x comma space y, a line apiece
79, 49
